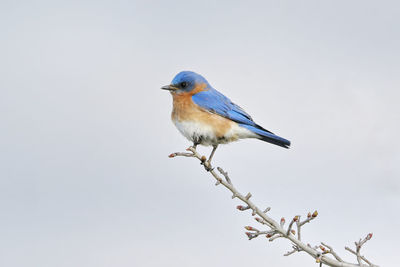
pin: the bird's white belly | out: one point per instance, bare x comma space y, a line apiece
204, 134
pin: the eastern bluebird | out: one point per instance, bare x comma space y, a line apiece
205, 116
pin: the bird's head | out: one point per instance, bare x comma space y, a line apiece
187, 82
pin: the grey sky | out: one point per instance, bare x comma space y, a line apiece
84, 174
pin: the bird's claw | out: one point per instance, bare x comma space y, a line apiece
207, 165
209, 169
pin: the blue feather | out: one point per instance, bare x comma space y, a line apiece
215, 102
267, 136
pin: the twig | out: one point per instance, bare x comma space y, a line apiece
332, 252
300, 224
358, 248
295, 219
277, 229
225, 174
295, 249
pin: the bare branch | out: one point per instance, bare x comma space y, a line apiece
295, 249
289, 230
359, 244
240, 207
275, 236
277, 229
225, 174
332, 252
282, 222
248, 196
300, 224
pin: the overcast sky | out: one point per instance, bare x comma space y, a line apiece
85, 130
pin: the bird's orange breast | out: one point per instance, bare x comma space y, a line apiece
184, 109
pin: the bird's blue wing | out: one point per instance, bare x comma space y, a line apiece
215, 102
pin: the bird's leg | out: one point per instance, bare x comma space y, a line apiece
207, 164
195, 145
212, 154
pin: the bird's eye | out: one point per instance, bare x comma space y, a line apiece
183, 84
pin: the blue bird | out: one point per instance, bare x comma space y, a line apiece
206, 117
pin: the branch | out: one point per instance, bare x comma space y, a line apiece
277, 230
359, 244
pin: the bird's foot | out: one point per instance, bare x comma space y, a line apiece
193, 147
207, 166
206, 163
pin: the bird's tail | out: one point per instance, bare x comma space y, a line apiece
267, 136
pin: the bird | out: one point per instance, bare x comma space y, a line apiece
207, 117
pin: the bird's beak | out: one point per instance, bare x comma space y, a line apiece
169, 87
